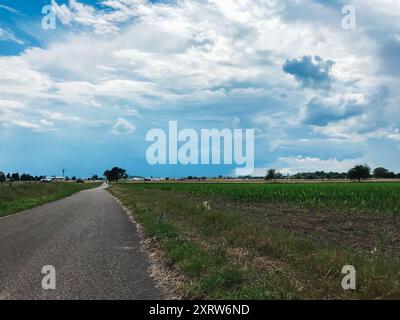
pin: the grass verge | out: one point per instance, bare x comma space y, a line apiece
19, 196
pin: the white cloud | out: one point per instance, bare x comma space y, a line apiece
26, 124
196, 47
9, 36
10, 105
122, 126
293, 165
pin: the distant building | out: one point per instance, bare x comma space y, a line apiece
54, 178
137, 179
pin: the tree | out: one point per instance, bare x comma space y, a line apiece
115, 174
2, 177
95, 177
15, 176
359, 172
391, 175
383, 173
278, 175
26, 177
271, 174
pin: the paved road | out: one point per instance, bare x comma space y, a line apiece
89, 240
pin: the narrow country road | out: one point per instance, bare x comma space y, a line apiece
89, 240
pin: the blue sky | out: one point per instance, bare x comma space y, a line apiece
84, 95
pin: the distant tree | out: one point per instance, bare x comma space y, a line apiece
359, 172
73, 178
2, 177
95, 177
321, 175
271, 175
115, 174
383, 173
380, 172
15, 176
26, 177
278, 175
391, 175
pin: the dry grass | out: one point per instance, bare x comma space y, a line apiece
165, 275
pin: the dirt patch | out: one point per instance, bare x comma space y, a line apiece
359, 231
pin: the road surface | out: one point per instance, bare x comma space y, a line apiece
87, 238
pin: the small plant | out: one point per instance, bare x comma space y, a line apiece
206, 205
395, 214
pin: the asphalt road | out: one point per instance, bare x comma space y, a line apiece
89, 240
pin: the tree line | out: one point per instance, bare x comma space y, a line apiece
17, 177
12, 177
358, 172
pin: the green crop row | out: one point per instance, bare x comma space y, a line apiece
371, 197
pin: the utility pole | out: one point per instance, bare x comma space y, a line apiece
63, 171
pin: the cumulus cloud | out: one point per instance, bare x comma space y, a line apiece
293, 165
101, 21
296, 164
311, 72
375, 117
122, 126
320, 111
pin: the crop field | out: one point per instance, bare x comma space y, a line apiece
272, 240
382, 197
18, 196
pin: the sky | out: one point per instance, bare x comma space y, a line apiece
84, 95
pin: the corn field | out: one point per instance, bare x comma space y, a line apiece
373, 197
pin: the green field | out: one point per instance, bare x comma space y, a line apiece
18, 196
381, 197
273, 241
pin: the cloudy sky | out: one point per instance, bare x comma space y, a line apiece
83, 96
